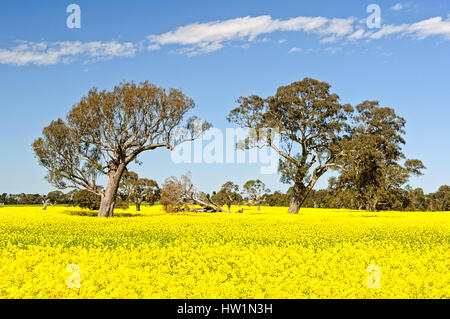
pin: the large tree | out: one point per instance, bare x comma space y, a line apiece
312, 124
375, 167
107, 130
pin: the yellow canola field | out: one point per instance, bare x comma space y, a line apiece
319, 253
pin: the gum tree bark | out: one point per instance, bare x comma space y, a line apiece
108, 198
297, 200
300, 191
45, 204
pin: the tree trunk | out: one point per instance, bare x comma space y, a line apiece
294, 206
138, 206
371, 205
300, 192
259, 206
213, 206
107, 204
44, 207
109, 196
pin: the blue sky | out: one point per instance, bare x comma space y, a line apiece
217, 51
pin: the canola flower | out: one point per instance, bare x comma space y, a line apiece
320, 253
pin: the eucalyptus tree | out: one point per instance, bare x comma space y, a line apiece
108, 130
312, 125
227, 195
375, 168
255, 190
138, 190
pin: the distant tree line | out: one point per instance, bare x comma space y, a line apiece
407, 199
57, 197
132, 190
254, 192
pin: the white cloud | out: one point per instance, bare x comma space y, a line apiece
358, 34
397, 7
295, 49
420, 30
198, 38
333, 50
154, 47
43, 53
210, 36
337, 28
388, 30
431, 27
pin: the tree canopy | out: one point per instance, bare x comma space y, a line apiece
227, 195
138, 190
371, 169
255, 190
312, 124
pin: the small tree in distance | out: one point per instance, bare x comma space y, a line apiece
227, 195
138, 190
255, 190
107, 130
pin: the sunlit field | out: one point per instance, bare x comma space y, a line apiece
320, 253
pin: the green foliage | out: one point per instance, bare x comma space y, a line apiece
276, 199
255, 189
57, 197
403, 199
227, 195
440, 201
137, 190
3, 198
87, 200
371, 170
312, 124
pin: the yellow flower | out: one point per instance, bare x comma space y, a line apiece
320, 253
